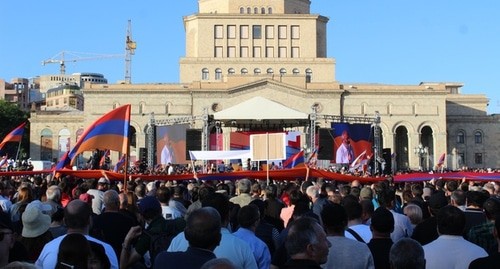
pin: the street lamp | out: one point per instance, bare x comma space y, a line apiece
421, 151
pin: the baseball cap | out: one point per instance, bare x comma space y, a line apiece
103, 180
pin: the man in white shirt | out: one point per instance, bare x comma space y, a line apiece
167, 152
77, 219
345, 153
451, 250
230, 246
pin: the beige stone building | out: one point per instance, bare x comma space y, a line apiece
276, 49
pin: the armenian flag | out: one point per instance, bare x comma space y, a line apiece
120, 163
294, 160
14, 136
108, 132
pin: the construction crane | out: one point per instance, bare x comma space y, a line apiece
64, 57
130, 47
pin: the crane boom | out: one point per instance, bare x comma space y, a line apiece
130, 47
62, 58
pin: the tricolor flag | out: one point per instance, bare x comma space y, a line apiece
294, 160
120, 163
15, 135
103, 158
108, 132
357, 162
441, 160
311, 161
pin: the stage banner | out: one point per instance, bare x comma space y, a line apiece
350, 141
241, 141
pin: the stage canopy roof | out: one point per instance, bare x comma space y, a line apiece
260, 109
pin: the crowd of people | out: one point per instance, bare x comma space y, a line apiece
71, 222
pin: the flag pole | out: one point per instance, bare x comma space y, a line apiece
18, 150
127, 151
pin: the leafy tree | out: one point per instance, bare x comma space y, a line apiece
11, 117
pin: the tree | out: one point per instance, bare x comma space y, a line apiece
11, 117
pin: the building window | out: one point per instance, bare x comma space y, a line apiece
282, 32
244, 31
270, 10
295, 52
282, 71
257, 32
204, 74
269, 52
295, 71
257, 52
295, 32
231, 52
478, 137
218, 74
218, 52
218, 32
263, 10
460, 137
282, 52
269, 31
231, 31
141, 108
242, 10
243, 52
256, 10
256, 71
244, 71
478, 158
231, 71
249, 10
269, 71
309, 75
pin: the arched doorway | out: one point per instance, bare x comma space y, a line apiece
401, 144
64, 142
46, 145
427, 141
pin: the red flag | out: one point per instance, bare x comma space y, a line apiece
108, 132
14, 136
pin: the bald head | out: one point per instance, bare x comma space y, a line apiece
77, 214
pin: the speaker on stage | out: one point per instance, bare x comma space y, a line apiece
193, 141
325, 150
386, 155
